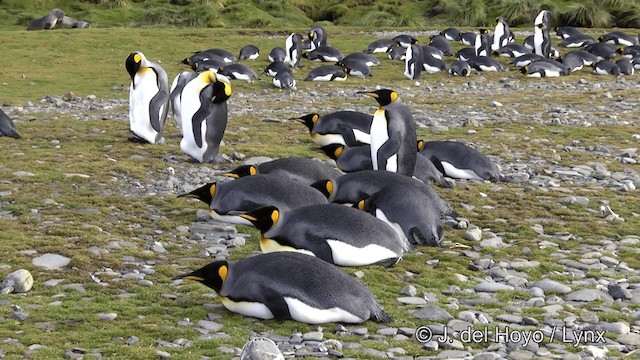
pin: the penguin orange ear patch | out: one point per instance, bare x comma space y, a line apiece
222, 272
212, 190
227, 89
361, 205
275, 215
315, 118
420, 144
394, 96
329, 187
338, 151
253, 170
137, 58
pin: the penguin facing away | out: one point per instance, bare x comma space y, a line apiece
175, 95
349, 159
410, 213
284, 80
305, 170
148, 98
501, 34
277, 54
7, 128
459, 161
317, 37
204, 115
393, 134
289, 286
413, 62
337, 234
249, 52
293, 48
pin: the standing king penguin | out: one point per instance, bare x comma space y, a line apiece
393, 134
148, 98
293, 48
289, 286
501, 34
542, 34
204, 115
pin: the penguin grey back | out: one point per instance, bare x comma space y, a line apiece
7, 128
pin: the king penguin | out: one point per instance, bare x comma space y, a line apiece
305, 170
317, 37
227, 200
337, 234
344, 127
410, 213
542, 34
459, 161
204, 115
289, 286
501, 34
393, 134
413, 62
7, 128
349, 159
175, 95
148, 98
293, 48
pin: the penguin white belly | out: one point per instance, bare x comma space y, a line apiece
231, 219
139, 109
362, 136
538, 38
625, 42
326, 77
340, 78
431, 69
381, 49
269, 246
190, 103
599, 71
487, 68
535, 75
327, 139
551, 73
247, 308
382, 216
456, 173
379, 135
343, 254
253, 56
410, 66
331, 59
242, 76
392, 163
307, 314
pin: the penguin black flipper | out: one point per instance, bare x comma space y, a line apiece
386, 151
313, 243
202, 114
276, 304
348, 135
7, 128
161, 99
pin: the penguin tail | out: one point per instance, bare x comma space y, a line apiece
382, 317
442, 181
418, 238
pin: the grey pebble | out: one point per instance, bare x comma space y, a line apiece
432, 313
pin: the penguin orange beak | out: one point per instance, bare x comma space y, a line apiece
372, 94
188, 276
248, 217
231, 175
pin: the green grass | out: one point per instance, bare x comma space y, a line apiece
91, 62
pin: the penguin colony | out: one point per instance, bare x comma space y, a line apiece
383, 171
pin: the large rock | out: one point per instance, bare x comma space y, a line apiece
51, 261
19, 281
261, 349
551, 286
433, 313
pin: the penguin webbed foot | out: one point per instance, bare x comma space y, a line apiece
136, 139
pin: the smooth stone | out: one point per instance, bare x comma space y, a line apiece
631, 339
432, 313
261, 348
409, 290
616, 328
552, 286
51, 261
412, 300
20, 315
585, 295
19, 281
453, 354
492, 287
131, 340
495, 243
163, 354
474, 234
107, 316
209, 325
313, 336
515, 319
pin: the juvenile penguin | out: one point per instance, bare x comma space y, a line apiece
427, 172
277, 54
227, 200
249, 52
468, 38
541, 34
565, 32
304, 170
345, 127
409, 213
460, 68
577, 41
501, 34
148, 98
431, 64
327, 73
603, 51
7, 128
175, 94
393, 134
284, 80
349, 159
204, 55
525, 59
588, 58
405, 40
337, 234
379, 46
239, 72
465, 54
203, 109
573, 61
293, 47
289, 286
459, 161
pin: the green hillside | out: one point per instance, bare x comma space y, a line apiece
301, 13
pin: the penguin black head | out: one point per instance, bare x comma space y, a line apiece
333, 151
204, 193
133, 63
308, 120
263, 218
384, 97
240, 171
221, 91
212, 275
324, 186
523, 69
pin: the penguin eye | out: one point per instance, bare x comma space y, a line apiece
212, 190
275, 215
